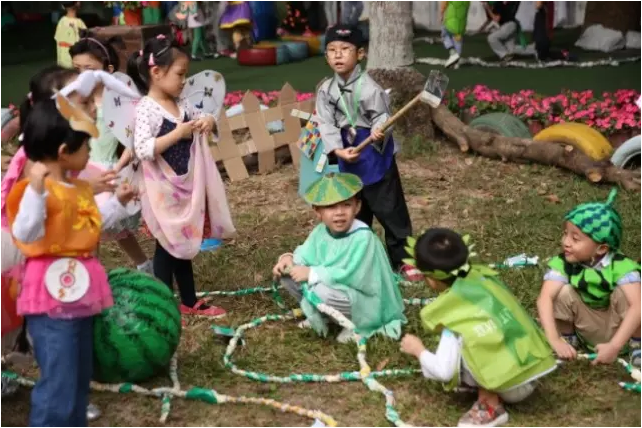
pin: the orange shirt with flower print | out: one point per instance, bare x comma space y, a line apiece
73, 223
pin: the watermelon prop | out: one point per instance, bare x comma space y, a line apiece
136, 338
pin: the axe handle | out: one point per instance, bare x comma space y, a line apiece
390, 122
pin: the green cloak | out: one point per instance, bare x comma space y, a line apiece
357, 264
502, 346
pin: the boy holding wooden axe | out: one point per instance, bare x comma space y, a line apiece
351, 107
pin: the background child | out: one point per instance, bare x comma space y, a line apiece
344, 264
183, 191
487, 341
90, 53
592, 291
350, 107
68, 32
454, 16
56, 224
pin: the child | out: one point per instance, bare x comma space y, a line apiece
93, 54
189, 12
350, 107
454, 15
591, 292
68, 32
503, 40
56, 224
487, 341
183, 191
344, 264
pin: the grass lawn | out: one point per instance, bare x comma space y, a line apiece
24, 57
503, 206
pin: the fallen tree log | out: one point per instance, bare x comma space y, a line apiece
524, 150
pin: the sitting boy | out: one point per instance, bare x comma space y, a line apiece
344, 264
591, 292
487, 341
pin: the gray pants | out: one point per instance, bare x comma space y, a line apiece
331, 297
502, 40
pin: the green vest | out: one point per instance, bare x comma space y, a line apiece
595, 286
502, 346
456, 16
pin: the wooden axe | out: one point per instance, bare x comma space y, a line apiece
431, 94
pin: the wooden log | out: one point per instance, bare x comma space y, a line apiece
524, 150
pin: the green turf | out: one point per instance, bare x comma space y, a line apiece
304, 76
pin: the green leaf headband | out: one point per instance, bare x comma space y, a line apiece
441, 275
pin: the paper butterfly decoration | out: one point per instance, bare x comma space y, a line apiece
77, 118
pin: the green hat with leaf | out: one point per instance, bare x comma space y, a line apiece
599, 220
442, 254
333, 188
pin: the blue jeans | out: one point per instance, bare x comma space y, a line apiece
450, 42
64, 352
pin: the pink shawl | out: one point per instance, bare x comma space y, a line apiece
174, 207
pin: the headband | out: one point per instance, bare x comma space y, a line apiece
103, 47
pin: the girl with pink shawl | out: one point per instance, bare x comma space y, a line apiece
180, 187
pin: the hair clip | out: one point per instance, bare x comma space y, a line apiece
78, 119
161, 37
151, 60
140, 52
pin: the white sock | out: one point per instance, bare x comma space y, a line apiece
346, 336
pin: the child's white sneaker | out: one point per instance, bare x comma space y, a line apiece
483, 415
346, 336
452, 59
305, 324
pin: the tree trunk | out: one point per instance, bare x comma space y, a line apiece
525, 150
390, 56
390, 34
617, 15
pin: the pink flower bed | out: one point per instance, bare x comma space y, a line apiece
609, 112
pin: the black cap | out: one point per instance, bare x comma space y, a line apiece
345, 33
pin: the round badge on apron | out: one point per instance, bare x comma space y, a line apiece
67, 280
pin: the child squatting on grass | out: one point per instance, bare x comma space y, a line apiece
344, 264
488, 341
591, 293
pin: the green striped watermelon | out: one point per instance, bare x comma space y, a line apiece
136, 338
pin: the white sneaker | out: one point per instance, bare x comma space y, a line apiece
346, 336
304, 324
147, 267
452, 60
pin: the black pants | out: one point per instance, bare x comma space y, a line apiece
168, 267
385, 201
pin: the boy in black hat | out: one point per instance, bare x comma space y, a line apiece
351, 107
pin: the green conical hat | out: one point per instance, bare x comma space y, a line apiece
333, 188
599, 220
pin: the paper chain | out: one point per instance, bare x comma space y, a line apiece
365, 374
532, 65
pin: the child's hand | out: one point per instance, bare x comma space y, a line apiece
282, 265
377, 134
125, 193
205, 124
606, 353
564, 350
412, 345
103, 183
185, 129
37, 175
300, 273
348, 155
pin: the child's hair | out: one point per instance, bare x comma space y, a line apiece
160, 51
69, 4
440, 249
46, 130
103, 50
42, 87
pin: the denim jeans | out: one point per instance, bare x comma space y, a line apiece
450, 42
64, 352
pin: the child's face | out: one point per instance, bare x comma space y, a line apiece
578, 247
86, 61
171, 80
76, 161
435, 284
343, 57
339, 217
